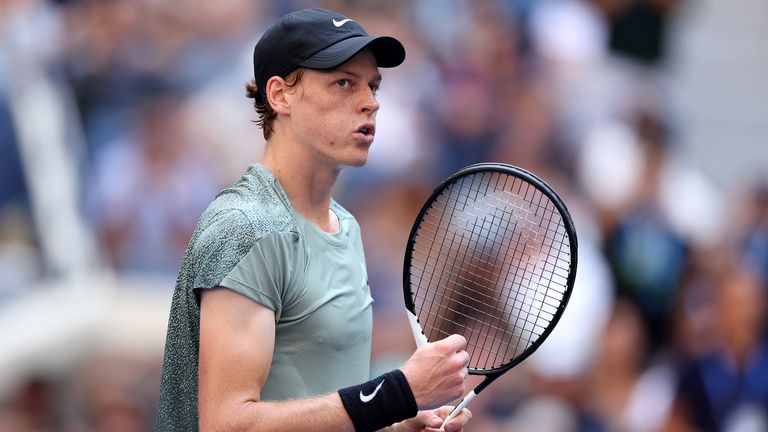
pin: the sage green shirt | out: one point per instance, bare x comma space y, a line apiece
251, 240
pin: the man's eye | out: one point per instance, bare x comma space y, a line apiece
374, 88
342, 83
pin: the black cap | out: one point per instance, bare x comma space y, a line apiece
317, 39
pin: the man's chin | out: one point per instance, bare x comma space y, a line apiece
359, 161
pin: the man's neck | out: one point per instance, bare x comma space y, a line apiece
307, 183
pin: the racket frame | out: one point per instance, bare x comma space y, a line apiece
530, 178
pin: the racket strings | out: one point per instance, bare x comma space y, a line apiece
491, 262
524, 253
472, 294
505, 332
469, 293
494, 226
557, 232
552, 266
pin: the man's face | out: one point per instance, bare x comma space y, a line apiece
333, 113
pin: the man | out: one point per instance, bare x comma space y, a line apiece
270, 326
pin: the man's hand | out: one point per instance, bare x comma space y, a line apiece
432, 420
436, 372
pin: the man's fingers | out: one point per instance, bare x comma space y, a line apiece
444, 411
429, 419
457, 423
455, 342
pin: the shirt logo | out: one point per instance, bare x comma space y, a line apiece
338, 24
368, 398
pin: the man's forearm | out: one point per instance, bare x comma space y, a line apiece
321, 413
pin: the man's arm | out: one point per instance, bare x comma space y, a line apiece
236, 346
237, 337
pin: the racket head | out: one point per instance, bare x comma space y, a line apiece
491, 204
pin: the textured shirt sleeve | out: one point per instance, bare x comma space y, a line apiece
218, 248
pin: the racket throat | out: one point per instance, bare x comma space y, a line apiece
418, 333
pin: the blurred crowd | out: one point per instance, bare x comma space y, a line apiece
130, 115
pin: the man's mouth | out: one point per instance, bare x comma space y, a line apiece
367, 129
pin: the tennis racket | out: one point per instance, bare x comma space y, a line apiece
491, 256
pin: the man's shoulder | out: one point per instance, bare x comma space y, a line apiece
253, 206
238, 218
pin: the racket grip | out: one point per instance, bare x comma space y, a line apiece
467, 399
418, 334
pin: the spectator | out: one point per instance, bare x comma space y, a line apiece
726, 386
627, 391
648, 256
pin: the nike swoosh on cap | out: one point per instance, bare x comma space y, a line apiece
368, 398
338, 24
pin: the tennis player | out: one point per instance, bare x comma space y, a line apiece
270, 323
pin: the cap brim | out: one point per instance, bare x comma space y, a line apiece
389, 52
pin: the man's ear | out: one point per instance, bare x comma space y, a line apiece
277, 92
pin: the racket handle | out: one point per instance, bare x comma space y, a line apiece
467, 399
418, 334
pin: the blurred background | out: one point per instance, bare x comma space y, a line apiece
121, 119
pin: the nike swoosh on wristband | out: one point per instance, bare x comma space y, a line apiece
368, 398
338, 24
